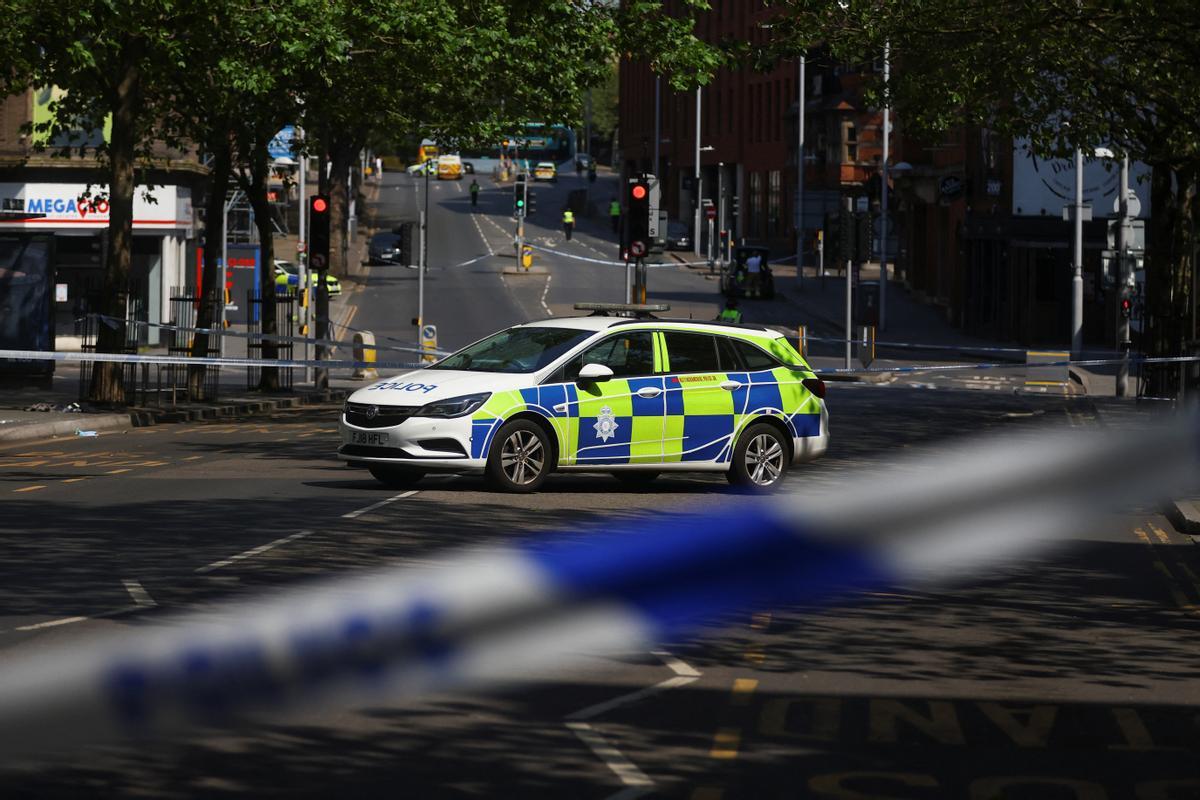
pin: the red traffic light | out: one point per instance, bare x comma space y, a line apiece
638, 192
319, 205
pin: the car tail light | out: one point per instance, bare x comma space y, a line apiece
814, 385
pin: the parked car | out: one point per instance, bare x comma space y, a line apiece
679, 236
287, 275
545, 171
468, 167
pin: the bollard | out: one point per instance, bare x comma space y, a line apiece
803, 337
866, 345
364, 350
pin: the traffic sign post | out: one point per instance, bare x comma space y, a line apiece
428, 343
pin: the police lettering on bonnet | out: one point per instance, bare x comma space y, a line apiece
617, 391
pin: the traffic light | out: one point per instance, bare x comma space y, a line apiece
1126, 307
845, 234
638, 202
318, 231
520, 193
405, 233
862, 237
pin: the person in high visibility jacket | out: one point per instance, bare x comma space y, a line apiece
731, 313
568, 222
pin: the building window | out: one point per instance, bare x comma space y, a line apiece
755, 210
849, 143
774, 203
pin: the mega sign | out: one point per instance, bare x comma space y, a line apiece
58, 206
77, 205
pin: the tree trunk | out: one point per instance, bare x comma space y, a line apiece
107, 385
256, 191
214, 235
1169, 323
341, 156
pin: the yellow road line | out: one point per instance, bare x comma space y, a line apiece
117, 471
743, 689
31, 488
725, 743
75, 480
755, 654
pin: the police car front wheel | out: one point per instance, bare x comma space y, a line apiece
520, 457
760, 458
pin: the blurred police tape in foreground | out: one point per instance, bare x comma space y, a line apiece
485, 615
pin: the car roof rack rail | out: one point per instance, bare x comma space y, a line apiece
637, 310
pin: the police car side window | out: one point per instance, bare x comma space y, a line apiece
629, 355
692, 352
753, 358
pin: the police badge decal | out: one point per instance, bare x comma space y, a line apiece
606, 424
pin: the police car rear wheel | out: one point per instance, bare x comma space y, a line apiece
760, 459
520, 457
395, 477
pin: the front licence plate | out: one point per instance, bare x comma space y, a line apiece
361, 437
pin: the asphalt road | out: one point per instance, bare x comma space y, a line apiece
1069, 675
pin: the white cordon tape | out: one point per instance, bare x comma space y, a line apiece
591, 260
266, 337
125, 358
1096, 362
484, 615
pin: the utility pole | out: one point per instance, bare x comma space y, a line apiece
1077, 278
883, 191
699, 193
800, 180
302, 257
849, 209
1123, 279
657, 122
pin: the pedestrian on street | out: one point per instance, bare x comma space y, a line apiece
731, 313
753, 270
474, 192
614, 212
568, 222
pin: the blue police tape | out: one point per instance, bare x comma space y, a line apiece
209, 361
112, 322
480, 615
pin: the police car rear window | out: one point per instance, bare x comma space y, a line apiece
692, 352
515, 350
752, 358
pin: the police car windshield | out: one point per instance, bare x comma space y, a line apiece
515, 350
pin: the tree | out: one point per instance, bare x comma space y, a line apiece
1125, 75
110, 59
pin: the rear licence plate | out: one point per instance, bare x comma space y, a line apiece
360, 437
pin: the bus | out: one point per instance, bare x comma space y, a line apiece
536, 142
426, 151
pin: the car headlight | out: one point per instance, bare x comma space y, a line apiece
454, 406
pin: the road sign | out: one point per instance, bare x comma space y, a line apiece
428, 342
637, 248
299, 247
710, 212
1132, 201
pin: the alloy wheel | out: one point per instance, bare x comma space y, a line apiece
764, 459
522, 458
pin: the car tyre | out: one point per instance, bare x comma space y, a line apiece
520, 457
395, 477
760, 458
635, 478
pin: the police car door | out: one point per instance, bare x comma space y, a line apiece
620, 420
700, 415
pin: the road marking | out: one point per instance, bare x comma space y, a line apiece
725, 743
755, 654
75, 480
630, 697
546, 291
53, 623
251, 553
760, 621
676, 665
31, 488
116, 471
614, 759
380, 504
139, 594
1174, 586
193, 458
479, 230
743, 688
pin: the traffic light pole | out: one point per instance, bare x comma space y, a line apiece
421, 282
849, 333
1123, 274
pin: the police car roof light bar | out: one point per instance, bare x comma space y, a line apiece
638, 309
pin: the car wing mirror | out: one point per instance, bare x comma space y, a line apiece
594, 372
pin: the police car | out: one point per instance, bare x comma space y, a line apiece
633, 396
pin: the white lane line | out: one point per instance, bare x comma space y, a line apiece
50, 623
486, 243
262, 548
380, 504
632, 697
546, 291
614, 759
676, 665
139, 594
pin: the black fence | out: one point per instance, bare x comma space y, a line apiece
133, 335
185, 313
286, 320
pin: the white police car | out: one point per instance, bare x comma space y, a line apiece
632, 396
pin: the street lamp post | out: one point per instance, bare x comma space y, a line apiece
800, 180
699, 193
883, 193
1077, 277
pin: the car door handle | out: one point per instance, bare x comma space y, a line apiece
649, 391
561, 408
730, 385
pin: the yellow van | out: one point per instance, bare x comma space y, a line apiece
449, 168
